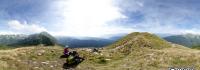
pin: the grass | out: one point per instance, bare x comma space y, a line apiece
139, 51
149, 59
196, 47
4, 47
27, 58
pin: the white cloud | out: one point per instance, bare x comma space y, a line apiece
8, 32
20, 27
86, 18
161, 16
192, 31
92, 17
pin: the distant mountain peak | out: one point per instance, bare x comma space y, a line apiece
44, 32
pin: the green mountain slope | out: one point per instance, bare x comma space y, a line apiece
188, 40
10, 39
37, 39
27, 40
136, 51
141, 40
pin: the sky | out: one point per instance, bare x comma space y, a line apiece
97, 18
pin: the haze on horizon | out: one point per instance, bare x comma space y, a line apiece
97, 18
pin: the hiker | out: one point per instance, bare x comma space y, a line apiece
66, 50
72, 58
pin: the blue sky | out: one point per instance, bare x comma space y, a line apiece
96, 18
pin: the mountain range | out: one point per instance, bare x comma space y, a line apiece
188, 40
47, 39
86, 41
11, 39
28, 40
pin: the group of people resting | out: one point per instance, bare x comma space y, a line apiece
72, 57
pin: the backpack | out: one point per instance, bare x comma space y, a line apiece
70, 59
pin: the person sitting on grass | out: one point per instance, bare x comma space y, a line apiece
66, 51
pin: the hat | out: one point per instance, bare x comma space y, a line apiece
66, 46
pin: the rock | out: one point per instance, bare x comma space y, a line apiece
19, 60
36, 67
42, 51
96, 53
51, 66
88, 50
34, 62
45, 63
108, 59
39, 54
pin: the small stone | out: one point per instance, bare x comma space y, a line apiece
36, 67
34, 62
42, 51
51, 66
39, 54
45, 63
19, 60
108, 59
96, 53
89, 50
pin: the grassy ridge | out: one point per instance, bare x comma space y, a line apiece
47, 58
138, 39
